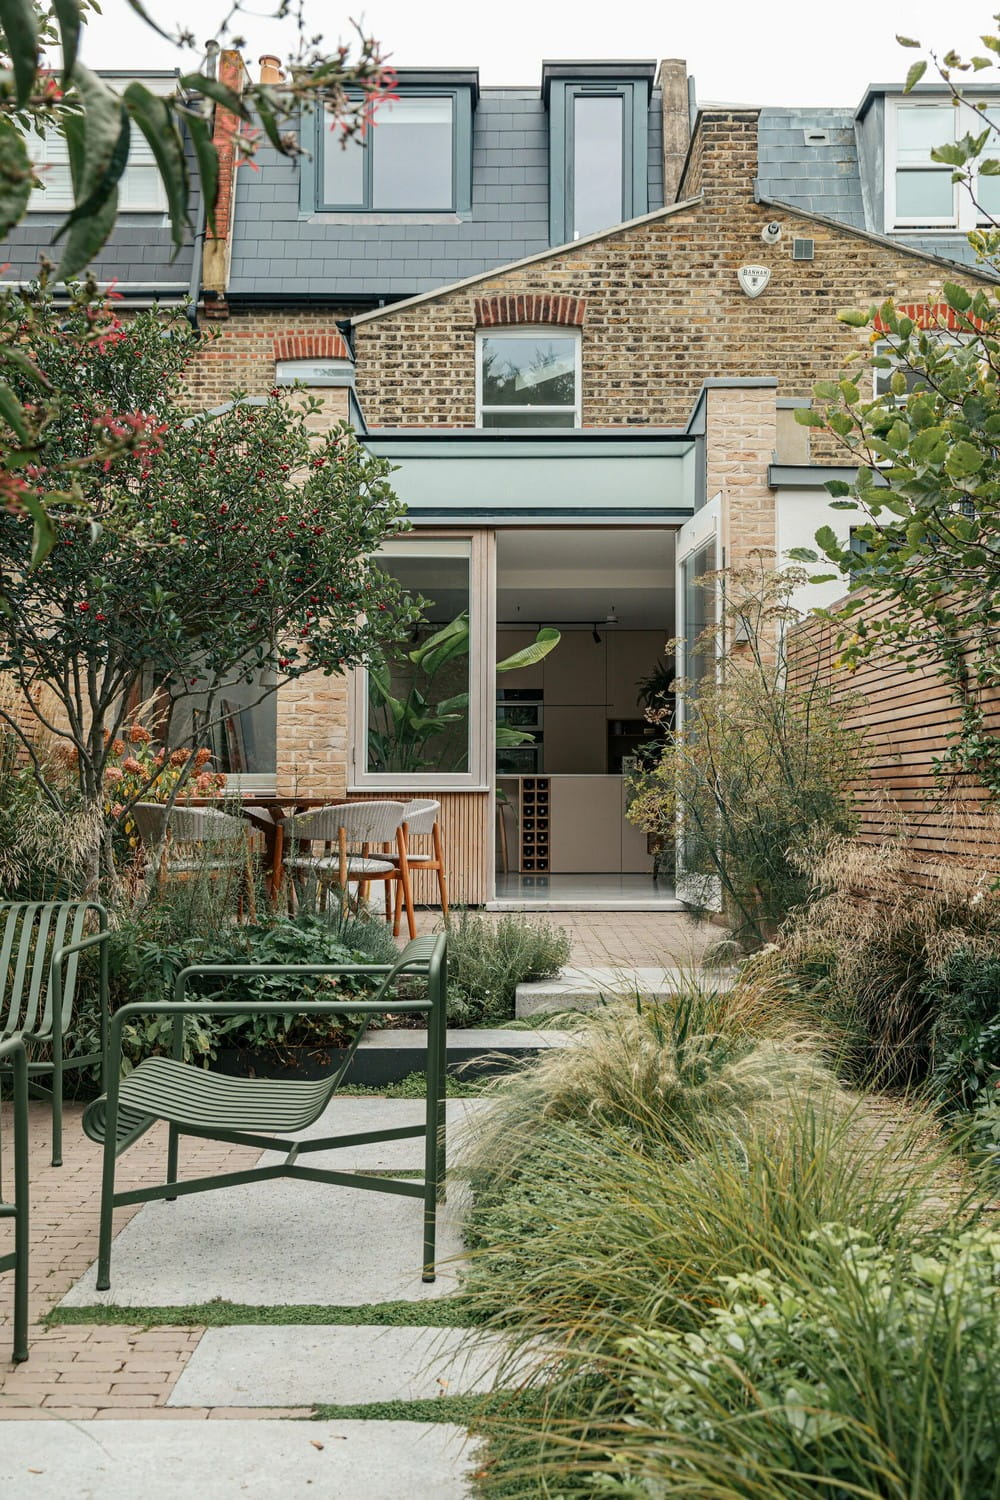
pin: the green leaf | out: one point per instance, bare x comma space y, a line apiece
91, 206
264, 102
826, 540
67, 13
213, 89
843, 504
43, 537
826, 390
545, 641
208, 162
914, 76
803, 554
807, 418
92, 138
155, 118
951, 153
837, 487
989, 167
956, 296
963, 459
907, 41
853, 317
15, 177
19, 20
850, 392
10, 410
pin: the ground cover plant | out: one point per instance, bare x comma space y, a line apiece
488, 959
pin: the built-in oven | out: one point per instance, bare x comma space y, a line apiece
519, 731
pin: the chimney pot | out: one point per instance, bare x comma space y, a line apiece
270, 69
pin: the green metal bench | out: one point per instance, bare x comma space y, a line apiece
40, 947
261, 1112
13, 1055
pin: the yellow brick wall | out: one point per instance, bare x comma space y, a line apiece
664, 309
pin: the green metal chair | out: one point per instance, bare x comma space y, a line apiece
40, 947
260, 1112
13, 1055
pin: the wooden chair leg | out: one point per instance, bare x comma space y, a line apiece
439, 860
404, 880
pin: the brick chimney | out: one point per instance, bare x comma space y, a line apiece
270, 69
217, 253
672, 82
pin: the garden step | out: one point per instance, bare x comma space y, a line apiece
232, 1460
580, 988
294, 1365
387, 1056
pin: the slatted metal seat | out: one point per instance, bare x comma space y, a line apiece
40, 947
13, 1054
262, 1112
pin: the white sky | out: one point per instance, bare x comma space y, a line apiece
747, 51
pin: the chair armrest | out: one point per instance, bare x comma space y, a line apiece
180, 983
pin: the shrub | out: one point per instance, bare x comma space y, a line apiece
868, 1373
760, 767
866, 952
488, 959
965, 1035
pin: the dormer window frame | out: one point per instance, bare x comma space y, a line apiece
562, 90
462, 97
965, 216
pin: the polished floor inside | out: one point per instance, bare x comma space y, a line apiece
583, 893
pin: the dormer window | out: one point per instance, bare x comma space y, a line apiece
598, 127
415, 158
140, 187
919, 191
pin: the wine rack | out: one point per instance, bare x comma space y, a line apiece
534, 825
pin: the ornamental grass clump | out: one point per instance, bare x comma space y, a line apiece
870, 955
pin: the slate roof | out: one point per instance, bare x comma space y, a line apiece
137, 255
277, 251
826, 178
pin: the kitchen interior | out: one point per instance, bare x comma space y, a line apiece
562, 833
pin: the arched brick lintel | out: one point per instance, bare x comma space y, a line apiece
312, 346
538, 307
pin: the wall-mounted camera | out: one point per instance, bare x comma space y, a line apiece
771, 233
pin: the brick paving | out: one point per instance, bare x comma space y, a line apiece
81, 1371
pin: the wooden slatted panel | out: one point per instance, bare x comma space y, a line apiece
909, 719
465, 834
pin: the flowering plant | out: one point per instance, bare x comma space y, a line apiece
136, 771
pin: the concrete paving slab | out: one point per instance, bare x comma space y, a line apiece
348, 1115
586, 988
168, 1460
299, 1366
277, 1243
463, 1039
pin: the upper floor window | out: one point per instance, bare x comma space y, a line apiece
140, 189
920, 193
598, 128
528, 377
415, 158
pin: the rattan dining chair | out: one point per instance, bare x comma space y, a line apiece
185, 843
347, 833
420, 821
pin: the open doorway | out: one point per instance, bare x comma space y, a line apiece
580, 715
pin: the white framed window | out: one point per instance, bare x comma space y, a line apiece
423, 718
528, 377
919, 192
140, 189
313, 372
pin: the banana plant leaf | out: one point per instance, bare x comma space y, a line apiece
529, 656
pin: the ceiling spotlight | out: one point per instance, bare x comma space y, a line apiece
611, 618
597, 638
